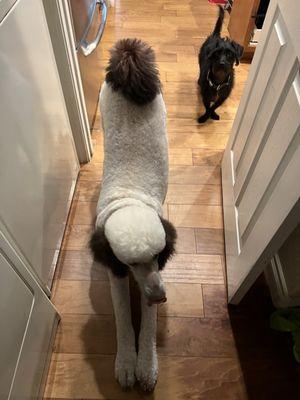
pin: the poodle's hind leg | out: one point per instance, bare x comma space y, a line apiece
147, 364
126, 355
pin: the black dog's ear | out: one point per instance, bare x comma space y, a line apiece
169, 249
238, 52
103, 253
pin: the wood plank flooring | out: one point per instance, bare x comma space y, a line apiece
198, 349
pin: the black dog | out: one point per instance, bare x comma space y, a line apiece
216, 59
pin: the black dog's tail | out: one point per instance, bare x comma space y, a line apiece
132, 70
219, 22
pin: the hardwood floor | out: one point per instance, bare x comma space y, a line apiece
199, 352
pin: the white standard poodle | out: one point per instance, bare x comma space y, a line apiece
130, 233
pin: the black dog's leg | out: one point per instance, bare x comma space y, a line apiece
217, 104
206, 115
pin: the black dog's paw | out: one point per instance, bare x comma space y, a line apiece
215, 116
203, 118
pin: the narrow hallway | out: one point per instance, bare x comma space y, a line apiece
197, 352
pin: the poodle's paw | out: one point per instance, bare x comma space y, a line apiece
214, 115
124, 368
203, 118
146, 370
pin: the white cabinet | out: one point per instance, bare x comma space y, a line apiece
27, 326
16, 301
38, 162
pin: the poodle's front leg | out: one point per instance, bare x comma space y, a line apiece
126, 356
147, 365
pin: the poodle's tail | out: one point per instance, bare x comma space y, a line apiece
132, 70
219, 22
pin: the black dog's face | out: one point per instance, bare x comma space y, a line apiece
223, 56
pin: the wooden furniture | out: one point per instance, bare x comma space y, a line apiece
242, 22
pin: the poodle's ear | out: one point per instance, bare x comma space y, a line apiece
238, 51
103, 253
169, 249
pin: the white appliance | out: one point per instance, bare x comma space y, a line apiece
89, 19
38, 162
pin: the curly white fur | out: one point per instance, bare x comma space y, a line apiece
134, 187
132, 245
126, 354
136, 154
147, 365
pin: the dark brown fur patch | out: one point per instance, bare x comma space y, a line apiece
103, 253
169, 249
133, 71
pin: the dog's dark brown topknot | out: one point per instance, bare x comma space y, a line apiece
133, 71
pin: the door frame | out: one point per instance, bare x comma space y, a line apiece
60, 27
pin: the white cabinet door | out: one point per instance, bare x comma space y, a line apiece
38, 163
261, 164
16, 301
27, 326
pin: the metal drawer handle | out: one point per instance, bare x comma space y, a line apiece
86, 47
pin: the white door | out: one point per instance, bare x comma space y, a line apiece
261, 164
